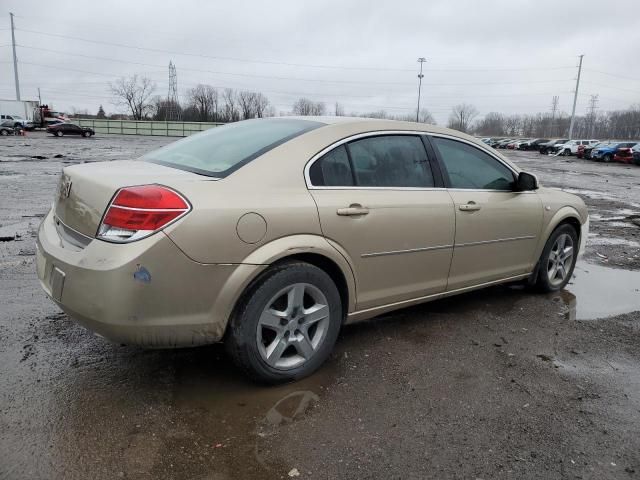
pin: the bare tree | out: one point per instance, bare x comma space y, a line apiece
339, 110
247, 104
204, 100
462, 116
304, 106
262, 106
134, 93
230, 112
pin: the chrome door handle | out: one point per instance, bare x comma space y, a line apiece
353, 210
469, 207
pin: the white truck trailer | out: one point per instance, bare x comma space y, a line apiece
21, 111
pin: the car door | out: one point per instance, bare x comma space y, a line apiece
497, 229
381, 201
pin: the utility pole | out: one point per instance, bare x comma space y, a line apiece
421, 60
554, 109
39, 97
593, 106
575, 99
15, 58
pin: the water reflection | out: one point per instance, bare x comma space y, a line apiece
597, 291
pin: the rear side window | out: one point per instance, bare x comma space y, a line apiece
470, 168
221, 150
381, 161
390, 161
332, 170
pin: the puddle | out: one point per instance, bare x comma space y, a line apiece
599, 292
238, 417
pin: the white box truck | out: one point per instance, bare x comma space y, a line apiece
20, 111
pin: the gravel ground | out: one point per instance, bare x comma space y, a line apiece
499, 383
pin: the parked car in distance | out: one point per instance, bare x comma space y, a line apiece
545, 148
518, 143
606, 152
16, 120
532, 144
64, 128
495, 141
127, 248
513, 144
571, 147
624, 154
505, 142
586, 150
7, 128
636, 154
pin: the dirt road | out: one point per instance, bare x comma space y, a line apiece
500, 383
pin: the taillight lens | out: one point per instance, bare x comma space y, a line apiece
137, 212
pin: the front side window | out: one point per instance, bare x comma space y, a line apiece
221, 150
470, 168
390, 161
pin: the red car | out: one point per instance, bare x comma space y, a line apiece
624, 155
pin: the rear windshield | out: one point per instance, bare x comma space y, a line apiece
221, 150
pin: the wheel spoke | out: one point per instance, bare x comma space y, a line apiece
295, 298
560, 242
303, 346
315, 314
553, 272
272, 319
276, 349
562, 272
567, 253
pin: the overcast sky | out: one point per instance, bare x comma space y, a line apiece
510, 56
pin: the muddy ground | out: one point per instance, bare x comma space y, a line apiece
500, 383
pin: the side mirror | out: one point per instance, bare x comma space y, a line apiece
526, 182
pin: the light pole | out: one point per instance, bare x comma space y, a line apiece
421, 60
15, 58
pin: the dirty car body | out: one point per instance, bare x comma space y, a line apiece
270, 234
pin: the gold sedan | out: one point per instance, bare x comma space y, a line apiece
271, 234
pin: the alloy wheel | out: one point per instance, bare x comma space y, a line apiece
293, 326
560, 259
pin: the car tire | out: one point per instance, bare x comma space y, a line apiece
554, 269
4, 133
567, 152
59, 134
86, 134
607, 158
272, 336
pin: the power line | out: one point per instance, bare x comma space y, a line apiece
613, 75
292, 64
271, 77
636, 91
201, 55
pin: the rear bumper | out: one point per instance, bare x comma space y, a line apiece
146, 293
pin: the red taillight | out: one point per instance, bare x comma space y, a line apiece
137, 212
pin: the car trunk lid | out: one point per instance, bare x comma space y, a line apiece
84, 191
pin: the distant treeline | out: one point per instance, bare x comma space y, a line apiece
205, 103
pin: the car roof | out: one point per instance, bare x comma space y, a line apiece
377, 124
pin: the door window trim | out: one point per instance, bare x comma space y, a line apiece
435, 169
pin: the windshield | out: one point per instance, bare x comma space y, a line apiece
221, 150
